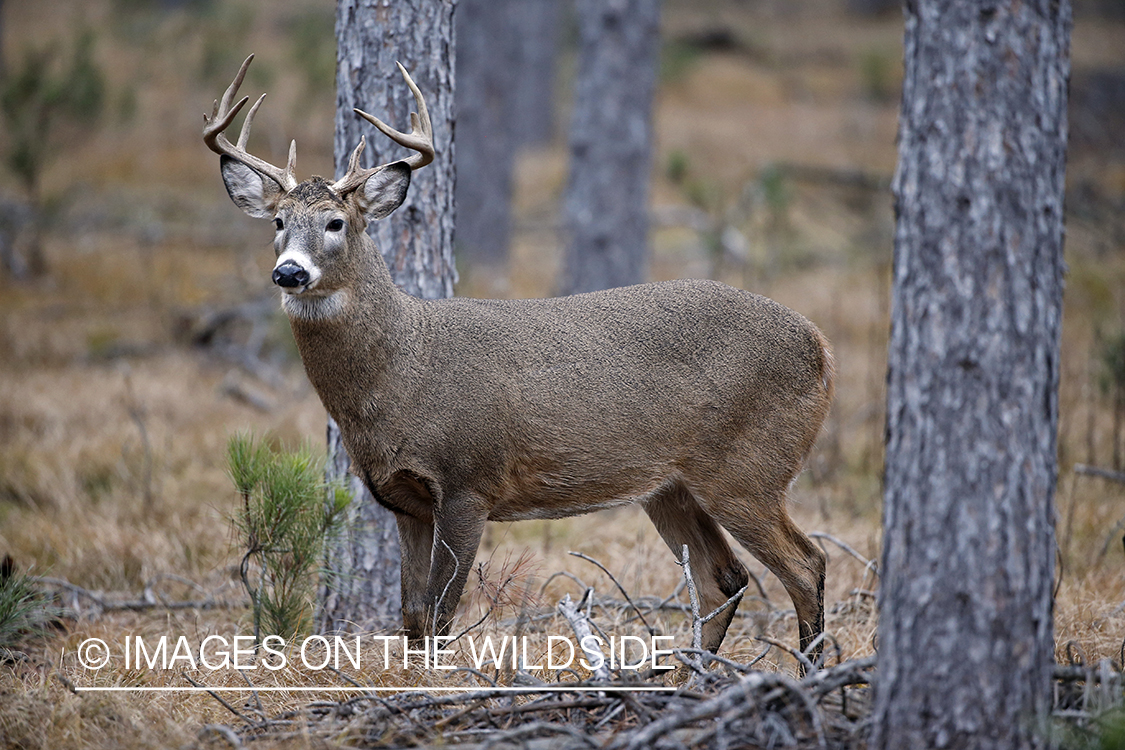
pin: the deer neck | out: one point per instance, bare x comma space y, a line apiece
352, 342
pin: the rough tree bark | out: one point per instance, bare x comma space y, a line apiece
965, 629
416, 241
606, 202
486, 75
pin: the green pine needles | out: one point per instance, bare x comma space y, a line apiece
288, 515
24, 610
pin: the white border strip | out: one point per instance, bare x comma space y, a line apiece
336, 689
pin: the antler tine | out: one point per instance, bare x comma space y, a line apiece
232, 90
221, 117
355, 175
291, 163
353, 162
421, 136
244, 134
420, 139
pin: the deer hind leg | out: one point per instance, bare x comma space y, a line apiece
767, 533
717, 572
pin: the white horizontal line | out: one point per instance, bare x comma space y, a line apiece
310, 689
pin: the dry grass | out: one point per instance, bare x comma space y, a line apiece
113, 430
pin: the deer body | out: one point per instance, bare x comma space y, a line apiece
696, 400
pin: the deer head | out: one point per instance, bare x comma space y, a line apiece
319, 224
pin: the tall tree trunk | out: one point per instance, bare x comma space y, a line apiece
486, 75
965, 630
606, 203
416, 241
537, 24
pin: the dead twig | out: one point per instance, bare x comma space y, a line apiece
868, 564
222, 731
106, 604
693, 595
1096, 471
651, 630
580, 624
706, 655
798, 655
743, 696
219, 698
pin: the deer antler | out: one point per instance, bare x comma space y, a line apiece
420, 139
222, 116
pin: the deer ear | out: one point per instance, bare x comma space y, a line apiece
250, 190
384, 191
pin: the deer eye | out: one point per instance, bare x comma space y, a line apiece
335, 225
279, 224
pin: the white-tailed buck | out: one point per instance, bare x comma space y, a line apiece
698, 401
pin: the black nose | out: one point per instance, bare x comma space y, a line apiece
290, 275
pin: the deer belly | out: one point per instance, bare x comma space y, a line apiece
546, 500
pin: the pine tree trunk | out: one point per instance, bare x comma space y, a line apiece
416, 241
486, 75
537, 24
965, 631
606, 203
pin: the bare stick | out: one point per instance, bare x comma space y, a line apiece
869, 564
564, 574
342, 676
740, 694
133, 605
1097, 471
696, 623
580, 624
219, 698
624, 593
800, 657
66, 681
733, 600
444, 591
761, 589
852, 672
475, 625
736, 666
225, 732
257, 700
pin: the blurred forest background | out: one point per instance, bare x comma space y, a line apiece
139, 328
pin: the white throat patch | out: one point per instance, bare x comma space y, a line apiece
314, 307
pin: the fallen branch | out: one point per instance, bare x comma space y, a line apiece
1097, 471
135, 605
219, 698
869, 564
580, 624
651, 630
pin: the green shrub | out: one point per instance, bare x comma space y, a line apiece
24, 611
288, 515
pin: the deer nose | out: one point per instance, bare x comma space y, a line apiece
290, 275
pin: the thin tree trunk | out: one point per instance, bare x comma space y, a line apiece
537, 24
362, 588
965, 631
486, 75
606, 203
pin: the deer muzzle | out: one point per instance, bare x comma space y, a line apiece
290, 275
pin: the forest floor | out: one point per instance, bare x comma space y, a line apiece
774, 152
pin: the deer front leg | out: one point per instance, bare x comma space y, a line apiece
459, 524
416, 539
